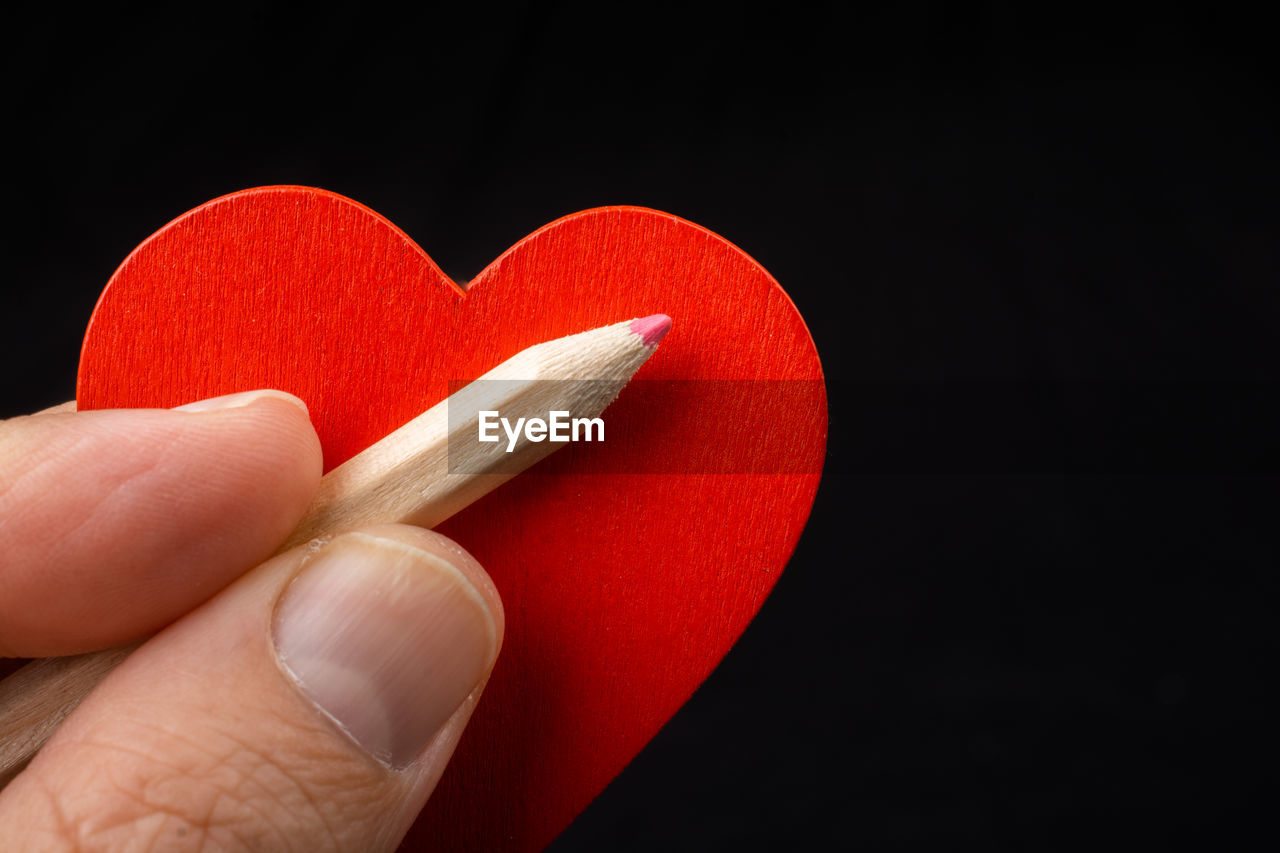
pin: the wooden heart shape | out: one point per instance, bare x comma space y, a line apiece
628, 568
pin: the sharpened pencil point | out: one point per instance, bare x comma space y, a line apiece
651, 328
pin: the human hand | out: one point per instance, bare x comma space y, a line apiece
311, 704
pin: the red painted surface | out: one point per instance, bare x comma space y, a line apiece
627, 568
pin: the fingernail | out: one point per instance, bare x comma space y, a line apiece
242, 398
387, 639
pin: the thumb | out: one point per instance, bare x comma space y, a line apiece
312, 705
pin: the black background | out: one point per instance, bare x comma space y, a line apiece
1038, 253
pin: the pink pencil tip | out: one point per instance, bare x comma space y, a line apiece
651, 328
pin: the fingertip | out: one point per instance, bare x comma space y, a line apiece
270, 450
241, 399
387, 632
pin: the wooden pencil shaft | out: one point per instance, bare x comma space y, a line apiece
433, 466
422, 473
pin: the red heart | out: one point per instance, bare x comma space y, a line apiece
628, 569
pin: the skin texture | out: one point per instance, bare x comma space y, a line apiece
116, 524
